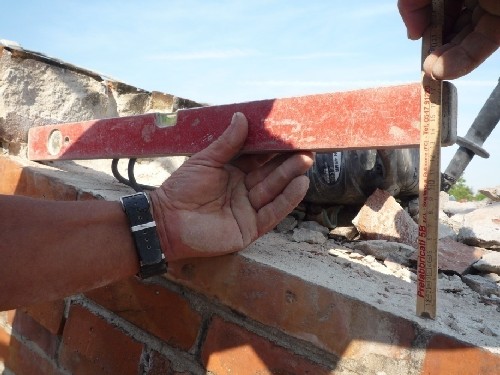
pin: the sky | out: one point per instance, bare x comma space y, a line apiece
226, 51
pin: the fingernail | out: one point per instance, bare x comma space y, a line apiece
412, 37
235, 116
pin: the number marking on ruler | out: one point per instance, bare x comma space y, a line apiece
429, 174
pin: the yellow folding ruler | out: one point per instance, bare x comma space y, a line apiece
429, 174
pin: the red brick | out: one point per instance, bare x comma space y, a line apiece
4, 344
21, 360
153, 308
230, 349
20, 179
42, 186
48, 314
11, 175
327, 319
446, 355
382, 218
456, 256
24, 325
93, 346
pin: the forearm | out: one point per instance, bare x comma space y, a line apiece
50, 250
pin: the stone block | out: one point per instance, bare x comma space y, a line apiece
382, 218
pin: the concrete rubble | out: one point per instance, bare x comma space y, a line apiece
492, 193
387, 236
469, 277
382, 218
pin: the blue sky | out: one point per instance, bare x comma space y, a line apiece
226, 51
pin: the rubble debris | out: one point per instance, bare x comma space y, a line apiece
394, 264
481, 285
493, 277
339, 252
356, 255
451, 284
481, 227
326, 216
445, 229
490, 262
492, 193
491, 300
453, 207
313, 225
457, 257
444, 198
349, 233
287, 224
308, 235
382, 218
382, 250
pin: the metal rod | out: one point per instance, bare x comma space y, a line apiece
472, 143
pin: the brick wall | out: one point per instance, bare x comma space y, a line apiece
227, 315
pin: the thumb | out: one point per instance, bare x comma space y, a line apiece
227, 146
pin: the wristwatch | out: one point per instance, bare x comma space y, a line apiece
143, 228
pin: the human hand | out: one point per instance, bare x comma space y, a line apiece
471, 34
212, 206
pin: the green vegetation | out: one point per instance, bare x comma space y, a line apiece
462, 192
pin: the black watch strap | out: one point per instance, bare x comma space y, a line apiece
143, 227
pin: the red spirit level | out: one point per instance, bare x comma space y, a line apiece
376, 118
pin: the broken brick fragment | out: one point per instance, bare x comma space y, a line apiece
382, 218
